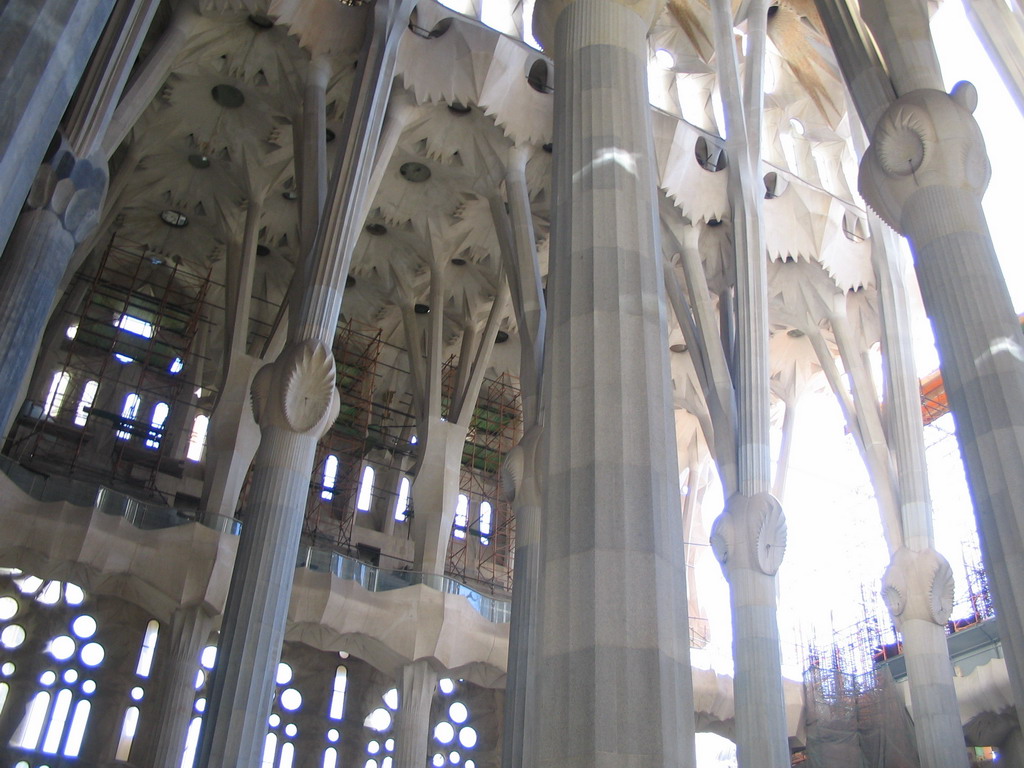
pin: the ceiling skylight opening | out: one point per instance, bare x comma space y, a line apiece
796, 126
664, 58
177, 365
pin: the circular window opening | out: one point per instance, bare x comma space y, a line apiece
855, 227
459, 109
378, 720
710, 157
291, 699
14, 635
428, 34
444, 732
774, 185
421, 309
92, 655
8, 607
538, 77
199, 161
414, 172
664, 58
84, 626
227, 96
376, 229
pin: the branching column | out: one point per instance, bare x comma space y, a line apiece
520, 481
925, 173
416, 685
749, 538
612, 662
294, 402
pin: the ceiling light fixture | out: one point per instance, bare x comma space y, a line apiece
173, 218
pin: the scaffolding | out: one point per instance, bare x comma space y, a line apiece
124, 331
376, 430
484, 551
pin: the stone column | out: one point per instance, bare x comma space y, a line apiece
45, 46
749, 538
151, 77
168, 712
295, 401
612, 661
918, 590
62, 207
233, 435
520, 480
924, 174
416, 685
435, 492
520, 483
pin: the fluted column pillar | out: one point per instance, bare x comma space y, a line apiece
62, 207
521, 486
169, 712
924, 174
294, 402
918, 590
416, 685
612, 660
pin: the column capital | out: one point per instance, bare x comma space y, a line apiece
925, 138
750, 534
918, 584
546, 13
71, 187
296, 392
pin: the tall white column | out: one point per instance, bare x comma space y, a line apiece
612, 661
520, 481
416, 685
749, 538
925, 173
295, 401
170, 709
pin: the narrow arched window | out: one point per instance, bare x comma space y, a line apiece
330, 477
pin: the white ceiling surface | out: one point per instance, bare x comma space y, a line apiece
251, 154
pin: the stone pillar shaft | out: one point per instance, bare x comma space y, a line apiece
981, 349
612, 663
172, 710
295, 401
416, 685
257, 608
107, 74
